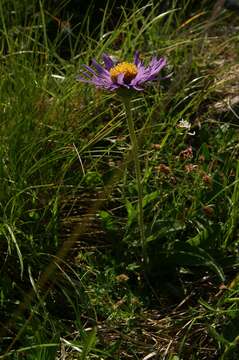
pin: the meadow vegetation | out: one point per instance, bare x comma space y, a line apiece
72, 281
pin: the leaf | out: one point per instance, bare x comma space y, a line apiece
199, 238
132, 213
89, 343
186, 254
14, 240
150, 197
107, 220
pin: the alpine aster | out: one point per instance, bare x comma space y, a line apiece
122, 75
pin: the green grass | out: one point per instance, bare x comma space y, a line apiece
72, 281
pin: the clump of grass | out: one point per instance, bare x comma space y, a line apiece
72, 279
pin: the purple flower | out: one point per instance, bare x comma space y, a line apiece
122, 75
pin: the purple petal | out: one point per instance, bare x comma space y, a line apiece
86, 74
104, 82
153, 72
148, 73
79, 78
113, 87
99, 68
137, 88
153, 62
108, 61
157, 65
136, 58
161, 63
89, 69
120, 80
139, 77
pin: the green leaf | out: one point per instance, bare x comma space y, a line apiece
107, 220
132, 213
89, 343
186, 254
150, 197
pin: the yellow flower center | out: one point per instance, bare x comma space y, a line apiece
129, 71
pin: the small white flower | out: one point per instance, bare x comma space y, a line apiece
184, 124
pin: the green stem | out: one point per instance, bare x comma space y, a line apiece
135, 152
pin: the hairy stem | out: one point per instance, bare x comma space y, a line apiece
135, 153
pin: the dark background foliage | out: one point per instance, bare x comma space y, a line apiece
65, 19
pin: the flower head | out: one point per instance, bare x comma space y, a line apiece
184, 124
186, 154
122, 75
